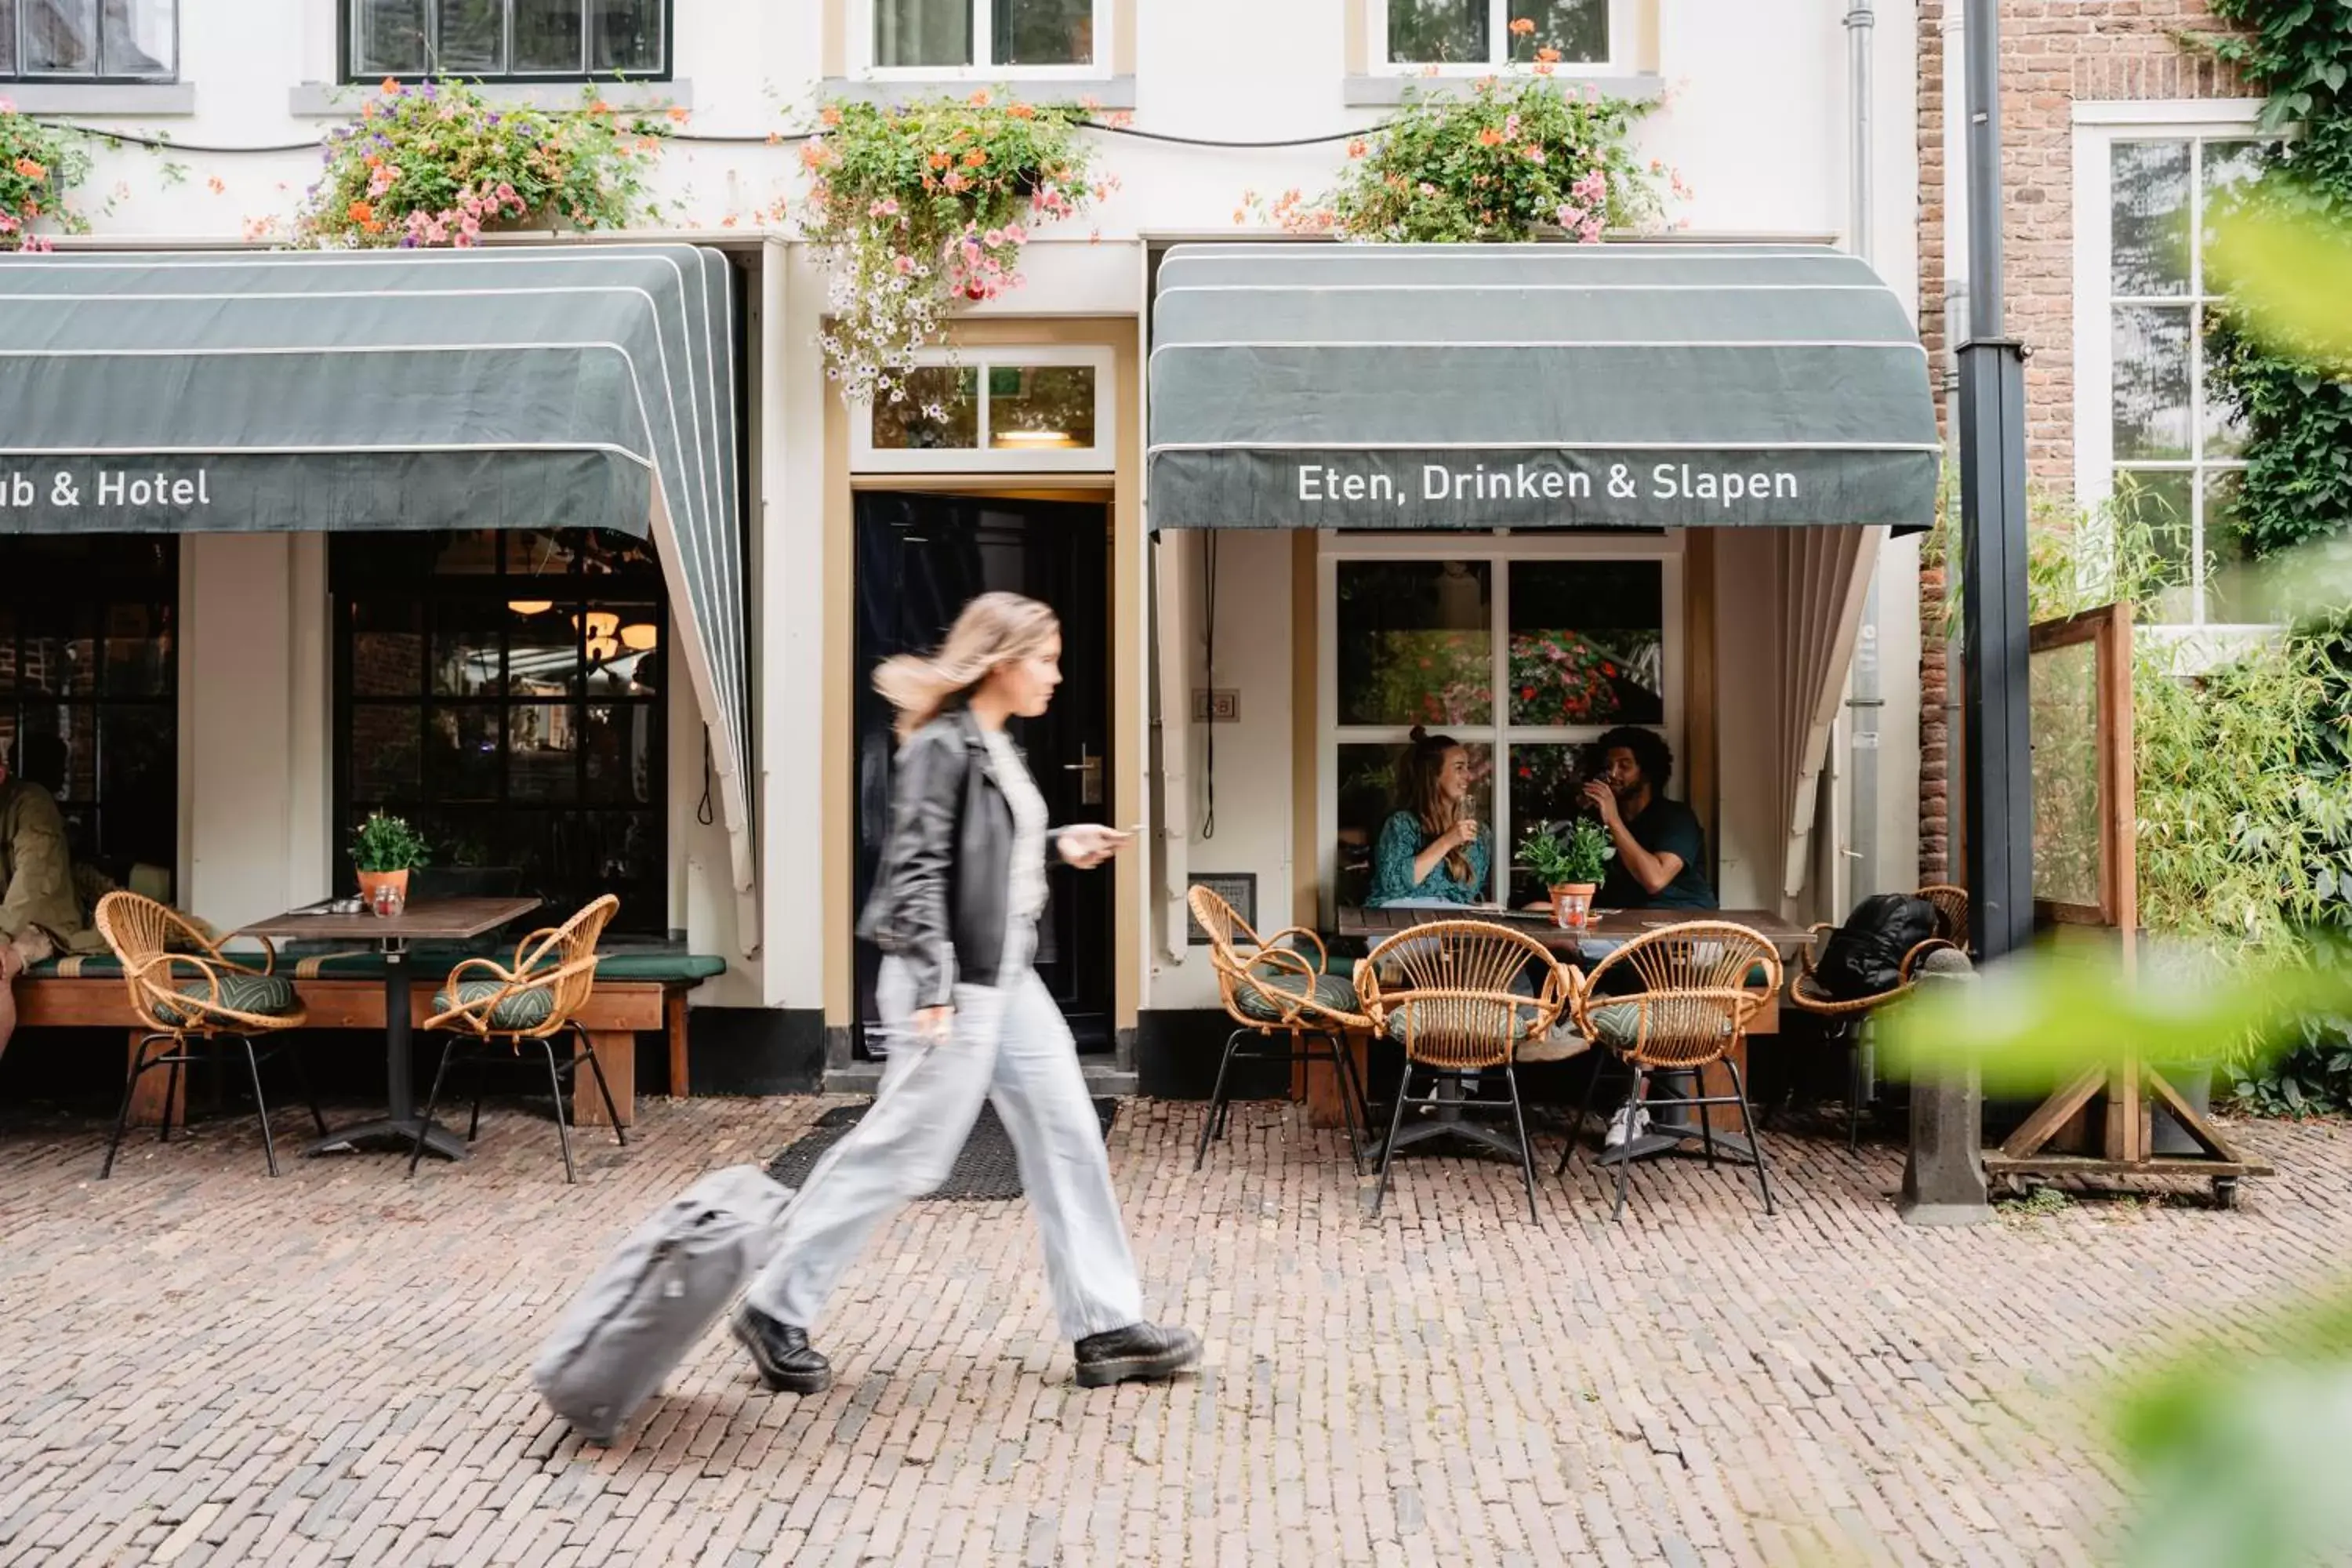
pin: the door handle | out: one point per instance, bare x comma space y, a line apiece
1089, 771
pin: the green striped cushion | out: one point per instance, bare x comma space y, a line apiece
1330, 993
523, 1010
1619, 1024
266, 996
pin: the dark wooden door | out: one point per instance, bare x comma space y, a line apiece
921, 559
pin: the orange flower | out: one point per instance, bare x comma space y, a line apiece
600, 106
31, 170
359, 213
1490, 137
215, 184
392, 87
941, 160
677, 114
1022, 111
1357, 148
1522, 25
1549, 56
776, 137
979, 99
829, 115
975, 158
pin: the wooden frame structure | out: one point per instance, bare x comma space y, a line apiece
2131, 1086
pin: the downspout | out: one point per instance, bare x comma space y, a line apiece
1954, 26
1865, 698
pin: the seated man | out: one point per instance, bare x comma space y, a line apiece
1661, 861
40, 914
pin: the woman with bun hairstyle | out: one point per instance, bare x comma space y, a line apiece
1431, 848
954, 911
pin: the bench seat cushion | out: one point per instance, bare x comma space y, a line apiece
1331, 994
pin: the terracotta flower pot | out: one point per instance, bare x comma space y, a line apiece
1571, 904
371, 880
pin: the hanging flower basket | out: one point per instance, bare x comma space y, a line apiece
39, 162
923, 207
1521, 156
436, 164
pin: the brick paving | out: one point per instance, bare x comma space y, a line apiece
200, 1365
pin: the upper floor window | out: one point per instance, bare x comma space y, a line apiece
2151, 434
945, 37
1022, 409
91, 40
1488, 32
547, 39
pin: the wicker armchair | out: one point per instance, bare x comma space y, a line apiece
1288, 1008
1447, 993
1845, 1017
1679, 1000
195, 1001
485, 1005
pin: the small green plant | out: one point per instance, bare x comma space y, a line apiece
386, 843
1573, 857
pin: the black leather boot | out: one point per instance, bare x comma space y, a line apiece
786, 1362
1140, 1352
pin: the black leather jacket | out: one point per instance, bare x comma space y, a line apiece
939, 900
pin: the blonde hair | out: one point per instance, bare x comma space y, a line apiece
994, 630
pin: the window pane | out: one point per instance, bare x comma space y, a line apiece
2222, 433
388, 39
2151, 382
1415, 643
1041, 408
1579, 29
2235, 591
7, 37
543, 747
549, 35
621, 752
2148, 208
473, 37
139, 661
2154, 516
1588, 643
466, 650
461, 754
1423, 32
1368, 795
624, 36
467, 553
61, 37
387, 649
2063, 698
138, 781
59, 653
630, 644
1546, 788
543, 648
1043, 31
922, 32
384, 752
941, 410
2227, 166
136, 38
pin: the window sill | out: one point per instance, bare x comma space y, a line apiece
1109, 91
134, 97
1387, 91
326, 101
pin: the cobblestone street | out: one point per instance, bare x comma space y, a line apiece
206, 1366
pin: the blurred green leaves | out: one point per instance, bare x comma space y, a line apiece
2290, 273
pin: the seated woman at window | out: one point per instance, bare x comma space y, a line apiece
1431, 847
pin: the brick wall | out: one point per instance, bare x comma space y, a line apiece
2053, 54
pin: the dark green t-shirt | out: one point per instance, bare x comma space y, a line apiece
1665, 827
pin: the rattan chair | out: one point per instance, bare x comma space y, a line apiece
532, 1003
1288, 1011
1445, 993
1686, 995
195, 1001
1846, 1018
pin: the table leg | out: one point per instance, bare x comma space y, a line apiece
398, 1127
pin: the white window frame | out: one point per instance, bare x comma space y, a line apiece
1498, 550
2098, 127
353, 21
865, 458
1622, 21
984, 45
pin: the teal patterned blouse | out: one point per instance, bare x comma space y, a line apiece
1400, 840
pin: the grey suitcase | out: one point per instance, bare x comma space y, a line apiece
656, 1297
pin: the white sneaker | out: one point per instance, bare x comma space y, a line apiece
1630, 1122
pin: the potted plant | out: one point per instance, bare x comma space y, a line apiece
385, 849
1570, 864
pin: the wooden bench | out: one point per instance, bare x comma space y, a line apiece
89, 993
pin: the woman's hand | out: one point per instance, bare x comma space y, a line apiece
1464, 833
1089, 845
933, 1026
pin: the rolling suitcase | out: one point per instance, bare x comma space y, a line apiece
656, 1297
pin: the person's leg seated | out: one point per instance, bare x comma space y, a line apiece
16, 958
903, 1148
1040, 1092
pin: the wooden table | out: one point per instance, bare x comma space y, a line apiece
425, 920
1584, 948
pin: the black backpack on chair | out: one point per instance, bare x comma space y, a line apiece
1864, 956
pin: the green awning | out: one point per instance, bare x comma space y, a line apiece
544, 387
1533, 386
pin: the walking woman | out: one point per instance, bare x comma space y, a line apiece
954, 911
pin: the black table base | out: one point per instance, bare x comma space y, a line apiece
398, 1127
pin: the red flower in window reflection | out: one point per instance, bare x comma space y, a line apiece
1566, 678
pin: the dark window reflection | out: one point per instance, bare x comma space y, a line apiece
501, 38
